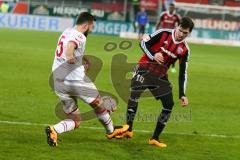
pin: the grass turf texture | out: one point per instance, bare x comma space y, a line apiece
213, 91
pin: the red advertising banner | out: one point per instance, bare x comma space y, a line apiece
149, 4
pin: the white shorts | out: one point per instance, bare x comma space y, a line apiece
71, 90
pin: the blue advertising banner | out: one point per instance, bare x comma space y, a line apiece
114, 28
42, 23
216, 34
58, 24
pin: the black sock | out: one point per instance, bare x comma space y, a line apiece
158, 130
161, 123
131, 112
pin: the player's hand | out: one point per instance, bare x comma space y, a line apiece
184, 101
71, 60
159, 58
145, 37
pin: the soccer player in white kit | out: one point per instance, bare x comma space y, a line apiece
70, 81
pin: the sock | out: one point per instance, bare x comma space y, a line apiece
158, 130
64, 126
106, 120
161, 123
131, 112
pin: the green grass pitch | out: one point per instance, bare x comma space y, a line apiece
207, 130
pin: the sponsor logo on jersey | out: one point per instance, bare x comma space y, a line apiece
168, 53
165, 42
179, 51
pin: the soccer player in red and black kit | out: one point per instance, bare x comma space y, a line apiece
161, 49
169, 19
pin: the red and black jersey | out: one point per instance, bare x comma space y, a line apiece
168, 20
163, 41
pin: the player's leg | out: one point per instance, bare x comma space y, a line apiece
167, 102
105, 119
70, 108
102, 114
70, 123
88, 92
162, 91
138, 85
132, 107
131, 112
141, 32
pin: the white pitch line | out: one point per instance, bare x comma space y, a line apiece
141, 131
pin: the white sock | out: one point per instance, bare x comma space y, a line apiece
64, 126
106, 120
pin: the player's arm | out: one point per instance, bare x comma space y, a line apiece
158, 24
182, 79
71, 46
146, 44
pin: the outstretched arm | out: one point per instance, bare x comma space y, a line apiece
158, 24
182, 79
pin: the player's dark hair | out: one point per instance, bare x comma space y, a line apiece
186, 22
172, 4
85, 17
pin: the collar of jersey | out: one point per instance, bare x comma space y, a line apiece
176, 42
170, 15
80, 32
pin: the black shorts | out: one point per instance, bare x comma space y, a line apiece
141, 29
143, 79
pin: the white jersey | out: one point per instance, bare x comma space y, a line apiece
70, 35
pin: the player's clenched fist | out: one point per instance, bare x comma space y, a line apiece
159, 58
146, 37
184, 101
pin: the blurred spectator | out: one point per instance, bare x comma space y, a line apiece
141, 22
4, 7
168, 3
11, 4
169, 19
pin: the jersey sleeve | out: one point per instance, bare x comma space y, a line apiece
162, 16
76, 39
146, 45
182, 78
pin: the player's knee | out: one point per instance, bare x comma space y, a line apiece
168, 104
69, 106
97, 102
97, 105
76, 117
164, 116
132, 102
132, 109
